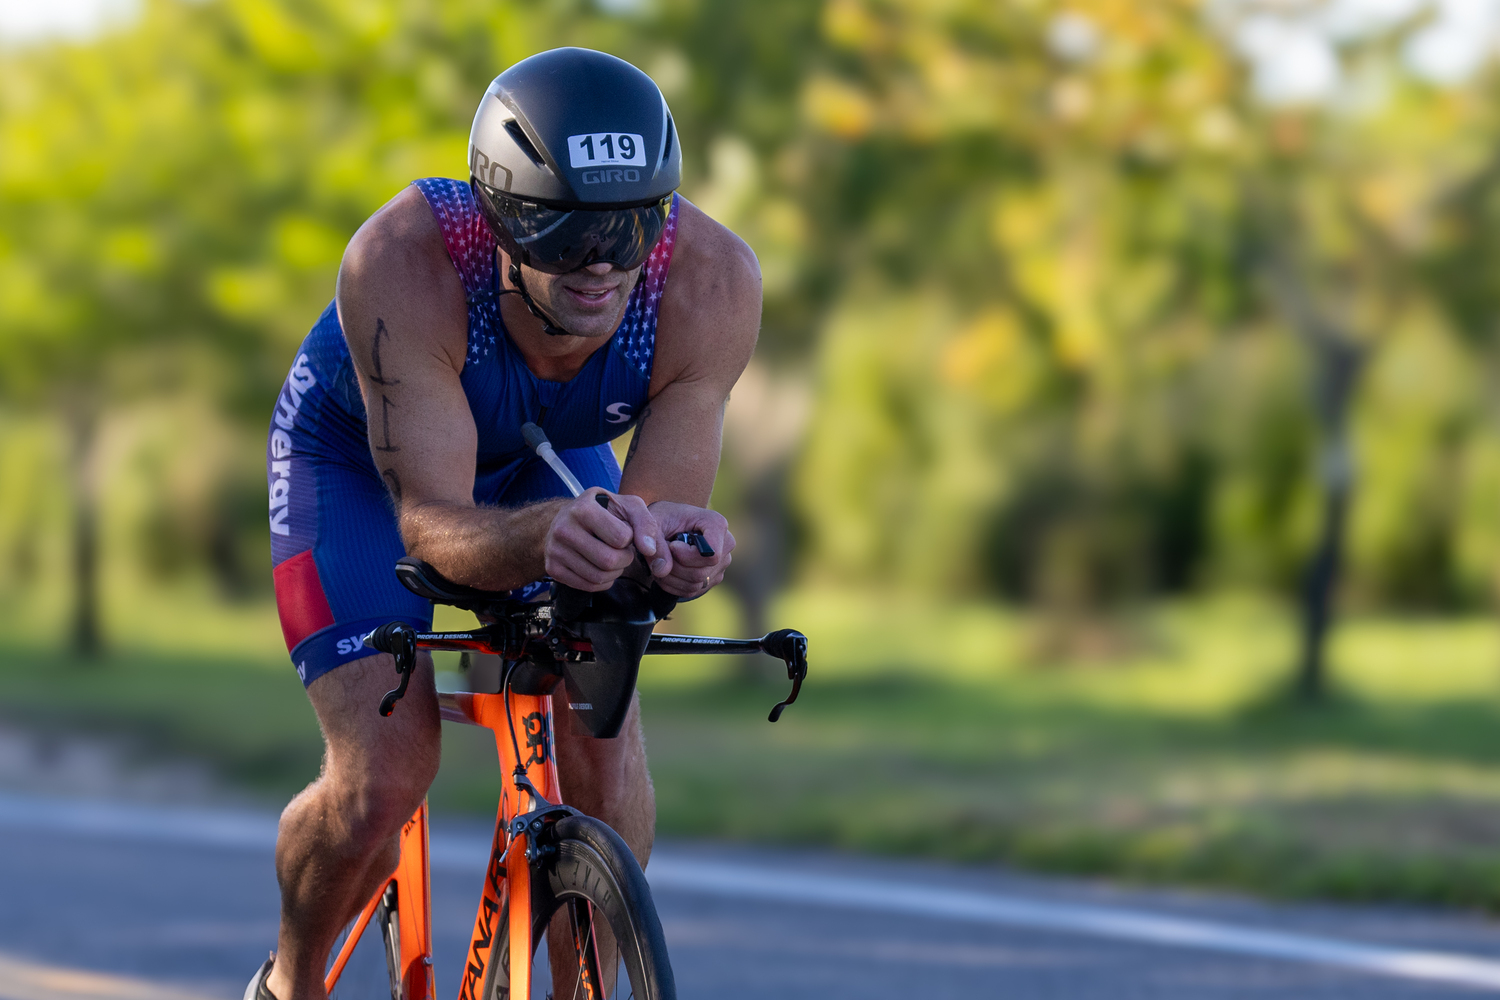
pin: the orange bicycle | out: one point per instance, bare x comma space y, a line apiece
546, 857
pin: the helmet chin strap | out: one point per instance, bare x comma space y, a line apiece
548, 326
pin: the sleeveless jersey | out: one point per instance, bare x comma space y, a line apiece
334, 536
597, 405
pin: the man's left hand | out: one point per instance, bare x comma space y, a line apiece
693, 574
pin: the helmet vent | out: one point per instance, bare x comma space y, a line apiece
514, 129
666, 147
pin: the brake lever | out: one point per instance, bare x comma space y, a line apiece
400, 640
790, 646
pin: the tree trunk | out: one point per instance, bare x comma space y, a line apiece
1339, 363
1318, 594
1338, 358
87, 640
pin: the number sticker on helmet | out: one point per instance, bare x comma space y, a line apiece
601, 148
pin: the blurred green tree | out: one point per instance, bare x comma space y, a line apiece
1088, 214
176, 196
1042, 259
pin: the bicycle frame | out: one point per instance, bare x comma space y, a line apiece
508, 868
524, 738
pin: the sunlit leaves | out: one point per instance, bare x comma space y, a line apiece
1017, 240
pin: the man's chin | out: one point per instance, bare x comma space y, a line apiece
590, 328
589, 325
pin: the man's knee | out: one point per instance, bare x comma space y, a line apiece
373, 799
376, 770
376, 785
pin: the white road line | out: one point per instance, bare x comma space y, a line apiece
241, 830
23, 980
458, 853
1118, 923
194, 827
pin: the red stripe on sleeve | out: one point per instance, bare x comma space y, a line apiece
300, 599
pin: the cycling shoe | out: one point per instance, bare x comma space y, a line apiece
257, 990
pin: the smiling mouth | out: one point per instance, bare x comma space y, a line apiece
591, 296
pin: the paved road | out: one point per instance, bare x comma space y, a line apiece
120, 902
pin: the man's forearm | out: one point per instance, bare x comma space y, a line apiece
493, 548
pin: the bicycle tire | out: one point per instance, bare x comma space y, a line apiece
590, 863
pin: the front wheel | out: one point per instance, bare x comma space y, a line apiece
592, 874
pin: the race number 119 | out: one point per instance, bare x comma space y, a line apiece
599, 149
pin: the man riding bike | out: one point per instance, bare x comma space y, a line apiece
565, 284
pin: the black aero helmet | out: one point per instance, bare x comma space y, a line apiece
573, 159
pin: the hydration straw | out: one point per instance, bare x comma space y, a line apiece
536, 440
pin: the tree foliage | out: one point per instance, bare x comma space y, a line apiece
1059, 277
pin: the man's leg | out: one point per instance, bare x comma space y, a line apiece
339, 838
606, 779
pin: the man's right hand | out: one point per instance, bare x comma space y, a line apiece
588, 546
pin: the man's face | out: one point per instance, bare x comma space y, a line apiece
588, 302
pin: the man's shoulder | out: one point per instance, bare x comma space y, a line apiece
709, 259
402, 233
396, 275
710, 314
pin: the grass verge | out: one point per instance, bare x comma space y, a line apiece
934, 731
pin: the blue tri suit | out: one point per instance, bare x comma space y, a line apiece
334, 538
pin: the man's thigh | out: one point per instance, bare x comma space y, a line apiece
334, 543
402, 747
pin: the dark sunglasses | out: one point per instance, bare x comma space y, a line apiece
560, 240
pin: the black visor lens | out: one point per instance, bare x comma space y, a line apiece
558, 240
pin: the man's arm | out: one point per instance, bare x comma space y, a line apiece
405, 318
710, 319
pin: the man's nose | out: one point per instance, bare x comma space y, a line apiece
599, 267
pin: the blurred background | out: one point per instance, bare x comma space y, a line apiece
1123, 430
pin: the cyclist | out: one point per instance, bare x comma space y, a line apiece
566, 284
